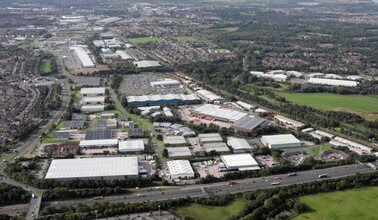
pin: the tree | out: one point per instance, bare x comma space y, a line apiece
165, 153
159, 137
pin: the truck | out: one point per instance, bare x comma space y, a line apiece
97, 197
232, 183
33, 196
275, 183
323, 176
291, 174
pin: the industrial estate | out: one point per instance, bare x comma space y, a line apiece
158, 110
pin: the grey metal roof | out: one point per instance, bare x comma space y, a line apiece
73, 124
98, 134
248, 122
89, 81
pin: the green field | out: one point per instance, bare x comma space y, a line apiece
351, 204
318, 149
143, 40
199, 212
45, 67
366, 106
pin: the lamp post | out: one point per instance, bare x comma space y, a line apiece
159, 211
96, 213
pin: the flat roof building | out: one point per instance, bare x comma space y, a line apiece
240, 162
146, 63
93, 108
219, 113
179, 152
88, 81
180, 169
131, 146
165, 83
248, 123
94, 168
208, 96
61, 136
167, 99
86, 61
99, 143
239, 145
174, 141
280, 141
288, 121
210, 138
73, 124
135, 133
219, 147
333, 82
96, 100
90, 92
99, 134
245, 105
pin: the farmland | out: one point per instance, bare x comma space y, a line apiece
198, 212
350, 204
366, 106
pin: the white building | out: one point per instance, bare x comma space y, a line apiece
94, 168
131, 146
86, 61
280, 77
179, 152
240, 162
91, 92
92, 108
239, 145
289, 121
208, 96
219, 113
210, 138
174, 141
96, 100
245, 105
180, 169
165, 83
101, 143
280, 141
324, 134
353, 146
333, 82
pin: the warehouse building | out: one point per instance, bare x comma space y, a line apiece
99, 143
124, 55
208, 96
85, 60
73, 124
135, 133
210, 138
219, 147
180, 170
94, 168
99, 134
168, 99
97, 100
217, 112
92, 108
271, 75
240, 162
179, 152
165, 83
324, 134
333, 82
174, 141
245, 105
280, 141
88, 82
146, 63
353, 146
289, 122
131, 146
106, 124
248, 123
239, 145
61, 136
92, 92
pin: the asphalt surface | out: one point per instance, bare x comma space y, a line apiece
223, 187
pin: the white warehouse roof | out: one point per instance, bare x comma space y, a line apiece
220, 113
94, 99
99, 143
333, 82
84, 57
93, 168
165, 82
180, 169
90, 91
281, 140
208, 95
240, 161
179, 152
131, 146
238, 144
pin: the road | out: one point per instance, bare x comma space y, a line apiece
223, 187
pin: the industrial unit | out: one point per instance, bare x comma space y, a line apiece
168, 99
245, 105
174, 141
240, 162
73, 124
353, 146
86, 61
165, 83
88, 82
219, 147
248, 123
92, 108
333, 82
280, 141
208, 96
279, 77
94, 168
210, 138
98, 100
290, 122
92, 92
239, 145
100, 143
180, 169
219, 113
131, 146
179, 152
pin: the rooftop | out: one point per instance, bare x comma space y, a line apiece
237, 161
177, 167
280, 139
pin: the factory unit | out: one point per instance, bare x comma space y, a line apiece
324, 134
92, 92
333, 82
61, 136
248, 123
179, 152
240, 162
92, 108
208, 96
180, 170
85, 60
168, 99
88, 82
216, 112
97, 100
99, 134
99, 143
94, 168
275, 77
290, 122
174, 141
245, 105
210, 138
131, 146
165, 83
239, 145
218, 147
353, 146
280, 141
73, 124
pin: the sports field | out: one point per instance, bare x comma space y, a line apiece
353, 204
45, 67
143, 40
366, 106
199, 212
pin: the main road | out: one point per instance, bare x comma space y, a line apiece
156, 194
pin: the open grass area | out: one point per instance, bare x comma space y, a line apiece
198, 212
365, 106
316, 150
45, 67
143, 40
351, 204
